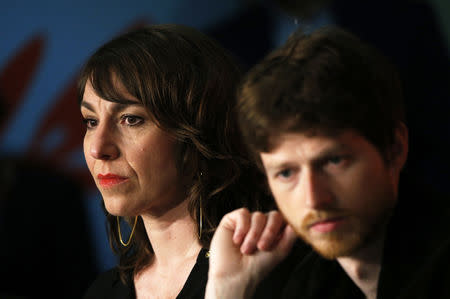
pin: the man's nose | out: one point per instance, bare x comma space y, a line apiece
315, 190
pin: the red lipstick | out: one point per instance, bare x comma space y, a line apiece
109, 179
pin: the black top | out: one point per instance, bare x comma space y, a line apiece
109, 286
415, 262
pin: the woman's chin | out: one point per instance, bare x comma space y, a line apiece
117, 208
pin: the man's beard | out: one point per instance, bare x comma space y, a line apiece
357, 233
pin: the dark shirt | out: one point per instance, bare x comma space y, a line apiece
270, 287
109, 286
415, 261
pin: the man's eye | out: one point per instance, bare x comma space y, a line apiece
90, 123
131, 120
285, 173
335, 160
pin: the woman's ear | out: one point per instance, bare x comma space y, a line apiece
398, 153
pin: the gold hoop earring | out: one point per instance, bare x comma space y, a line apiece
120, 234
200, 221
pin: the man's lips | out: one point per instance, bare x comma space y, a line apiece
327, 225
109, 179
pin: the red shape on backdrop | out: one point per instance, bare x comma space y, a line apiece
14, 81
17, 75
65, 115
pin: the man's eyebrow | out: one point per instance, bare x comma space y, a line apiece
276, 167
331, 151
317, 158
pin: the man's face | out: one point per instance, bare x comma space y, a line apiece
336, 192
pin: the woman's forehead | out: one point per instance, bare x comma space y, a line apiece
112, 89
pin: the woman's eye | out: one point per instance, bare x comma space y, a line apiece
131, 120
90, 123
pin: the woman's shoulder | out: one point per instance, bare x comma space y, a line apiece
108, 285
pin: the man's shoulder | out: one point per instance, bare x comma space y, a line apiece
276, 280
431, 276
315, 277
417, 247
305, 274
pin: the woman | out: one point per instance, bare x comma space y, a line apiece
163, 148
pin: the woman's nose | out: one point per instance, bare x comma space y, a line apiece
103, 145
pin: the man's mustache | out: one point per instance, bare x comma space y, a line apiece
314, 217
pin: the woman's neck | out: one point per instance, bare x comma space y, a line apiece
173, 235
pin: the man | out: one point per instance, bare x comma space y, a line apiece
324, 117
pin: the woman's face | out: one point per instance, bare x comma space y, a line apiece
131, 160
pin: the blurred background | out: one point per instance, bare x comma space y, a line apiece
53, 237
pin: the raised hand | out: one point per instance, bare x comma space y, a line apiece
245, 247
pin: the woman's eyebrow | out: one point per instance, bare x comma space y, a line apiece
119, 107
87, 106
116, 107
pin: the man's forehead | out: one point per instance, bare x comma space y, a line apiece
316, 138
311, 146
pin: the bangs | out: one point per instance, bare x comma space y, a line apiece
107, 85
113, 76
108, 82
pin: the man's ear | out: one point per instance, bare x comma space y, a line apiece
398, 153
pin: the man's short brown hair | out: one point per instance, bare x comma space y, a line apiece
323, 82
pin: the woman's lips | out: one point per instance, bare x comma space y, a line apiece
110, 180
328, 225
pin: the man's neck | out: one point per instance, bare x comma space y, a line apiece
364, 266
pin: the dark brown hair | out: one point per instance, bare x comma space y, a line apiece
323, 82
188, 83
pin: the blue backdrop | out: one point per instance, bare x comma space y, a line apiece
43, 45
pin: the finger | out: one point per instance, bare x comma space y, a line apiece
272, 231
258, 222
239, 222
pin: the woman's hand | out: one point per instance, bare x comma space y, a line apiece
245, 247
